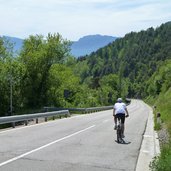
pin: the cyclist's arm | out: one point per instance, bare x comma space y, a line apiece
127, 114
113, 111
114, 118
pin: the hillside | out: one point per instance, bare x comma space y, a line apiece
17, 43
135, 57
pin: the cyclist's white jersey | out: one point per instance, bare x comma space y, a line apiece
119, 108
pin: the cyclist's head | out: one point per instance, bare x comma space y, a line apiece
119, 100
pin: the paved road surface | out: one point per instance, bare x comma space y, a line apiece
79, 143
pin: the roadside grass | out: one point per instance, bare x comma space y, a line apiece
162, 162
163, 106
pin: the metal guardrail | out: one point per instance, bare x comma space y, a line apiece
27, 117
94, 109
83, 110
52, 113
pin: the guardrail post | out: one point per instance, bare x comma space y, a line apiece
37, 120
45, 109
45, 119
53, 117
26, 122
158, 118
13, 124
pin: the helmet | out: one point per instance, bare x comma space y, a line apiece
119, 100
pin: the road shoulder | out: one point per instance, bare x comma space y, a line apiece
150, 145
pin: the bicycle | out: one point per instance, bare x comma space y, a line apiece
119, 132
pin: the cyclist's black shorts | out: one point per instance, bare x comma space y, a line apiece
121, 116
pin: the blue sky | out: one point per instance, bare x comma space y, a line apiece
76, 18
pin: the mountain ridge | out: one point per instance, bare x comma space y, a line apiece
90, 43
84, 46
17, 42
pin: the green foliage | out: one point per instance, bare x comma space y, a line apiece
81, 69
2, 50
136, 56
162, 162
61, 78
160, 80
38, 55
109, 85
163, 104
162, 100
4, 89
8, 70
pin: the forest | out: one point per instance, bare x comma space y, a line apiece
134, 59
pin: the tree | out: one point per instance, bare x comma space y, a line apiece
8, 78
61, 79
38, 55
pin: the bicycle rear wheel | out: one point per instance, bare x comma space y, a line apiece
119, 135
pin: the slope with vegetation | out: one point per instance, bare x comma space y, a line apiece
160, 86
135, 57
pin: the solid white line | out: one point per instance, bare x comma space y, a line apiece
147, 136
44, 146
145, 151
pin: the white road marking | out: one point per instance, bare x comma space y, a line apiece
44, 146
145, 151
147, 136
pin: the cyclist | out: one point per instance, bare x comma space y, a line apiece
119, 111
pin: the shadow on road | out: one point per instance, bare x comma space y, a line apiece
123, 142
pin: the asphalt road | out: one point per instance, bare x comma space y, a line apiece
79, 143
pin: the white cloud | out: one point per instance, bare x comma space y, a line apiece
76, 18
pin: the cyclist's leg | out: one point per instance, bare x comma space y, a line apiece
122, 116
118, 118
119, 129
115, 121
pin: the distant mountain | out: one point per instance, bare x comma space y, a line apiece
17, 42
90, 43
84, 46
